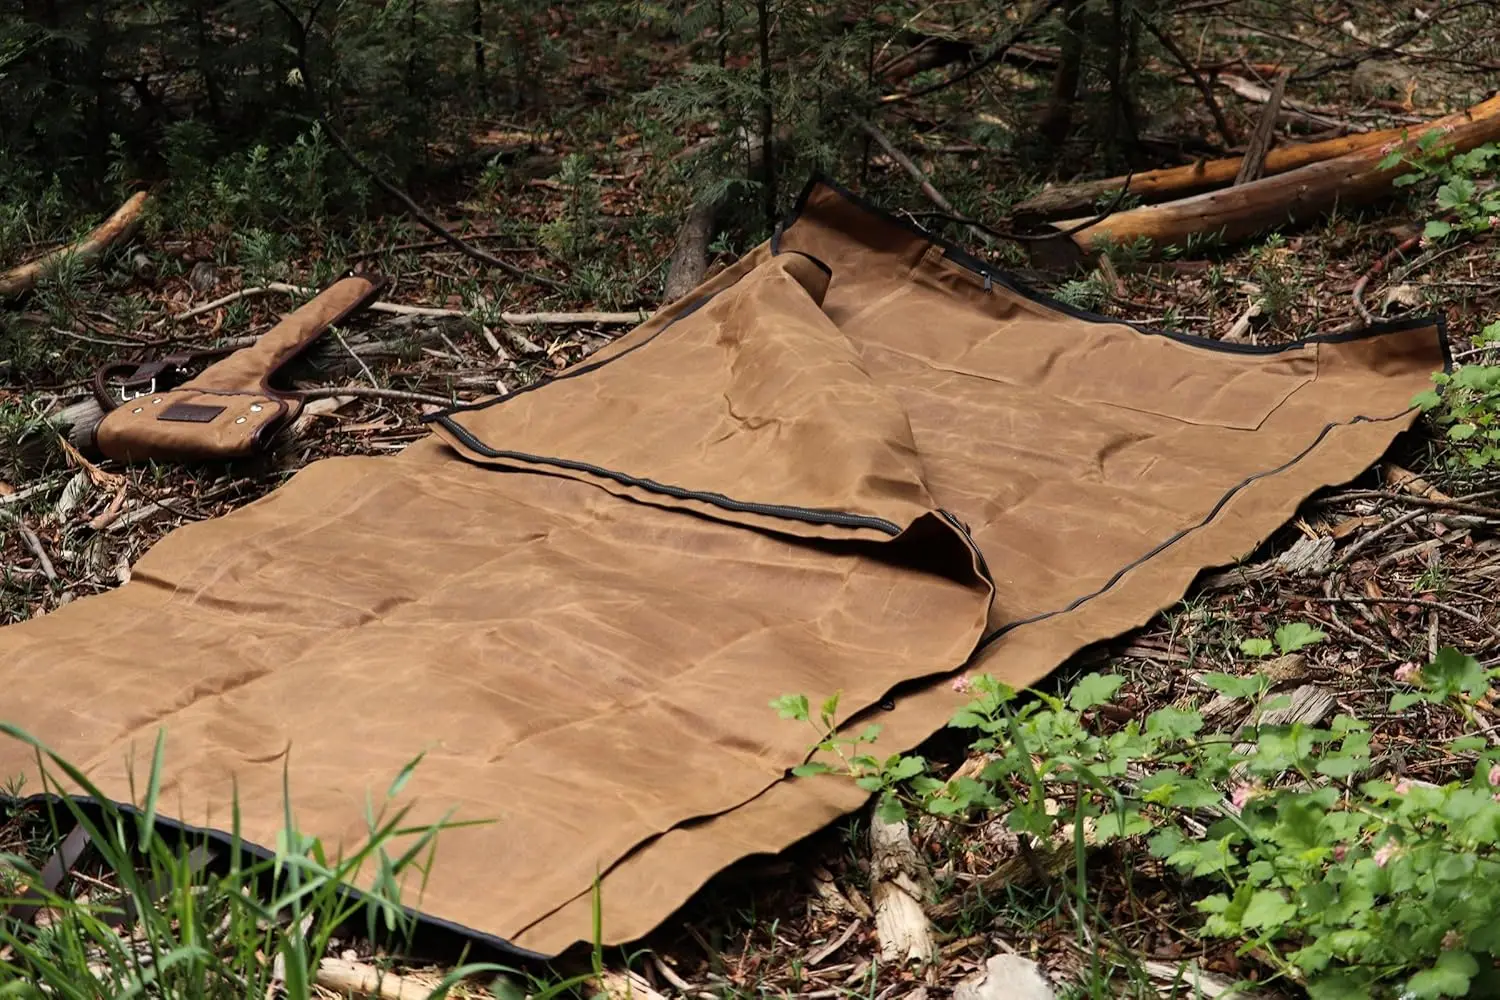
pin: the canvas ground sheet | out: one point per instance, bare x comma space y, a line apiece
856, 461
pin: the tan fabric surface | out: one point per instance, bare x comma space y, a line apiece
578, 599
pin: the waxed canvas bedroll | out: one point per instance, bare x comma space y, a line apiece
858, 460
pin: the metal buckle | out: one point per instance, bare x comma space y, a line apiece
126, 395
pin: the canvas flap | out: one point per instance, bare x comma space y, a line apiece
751, 407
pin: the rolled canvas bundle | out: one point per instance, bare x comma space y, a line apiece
859, 460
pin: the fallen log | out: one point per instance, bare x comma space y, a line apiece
1294, 196
23, 278
899, 884
1205, 175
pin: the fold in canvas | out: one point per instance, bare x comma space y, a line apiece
854, 461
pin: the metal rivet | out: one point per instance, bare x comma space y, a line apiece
239, 420
138, 409
255, 407
156, 400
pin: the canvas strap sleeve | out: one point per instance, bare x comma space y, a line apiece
229, 410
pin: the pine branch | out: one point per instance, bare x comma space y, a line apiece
300, 38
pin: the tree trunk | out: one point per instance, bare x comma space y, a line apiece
689, 261
1057, 120
476, 25
767, 110
1124, 134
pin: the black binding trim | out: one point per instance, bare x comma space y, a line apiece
1178, 536
807, 515
230, 842
964, 258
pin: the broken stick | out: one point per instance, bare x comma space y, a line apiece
1252, 91
360, 980
20, 280
906, 163
400, 309
1253, 164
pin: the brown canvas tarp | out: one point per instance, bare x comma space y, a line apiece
855, 461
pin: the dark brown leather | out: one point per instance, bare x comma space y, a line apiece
52, 876
229, 410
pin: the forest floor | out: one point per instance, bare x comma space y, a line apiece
1420, 559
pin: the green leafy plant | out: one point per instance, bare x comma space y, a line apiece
1467, 203
1465, 403
1451, 677
1288, 638
1090, 293
882, 776
1348, 887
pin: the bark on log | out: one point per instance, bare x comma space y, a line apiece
1194, 178
1238, 212
900, 883
689, 262
22, 279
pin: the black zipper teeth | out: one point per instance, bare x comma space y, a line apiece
804, 514
963, 529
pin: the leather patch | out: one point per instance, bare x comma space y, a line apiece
193, 413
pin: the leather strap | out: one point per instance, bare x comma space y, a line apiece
53, 874
163, 373
146, 377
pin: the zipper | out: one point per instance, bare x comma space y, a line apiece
807, 515
963, 529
